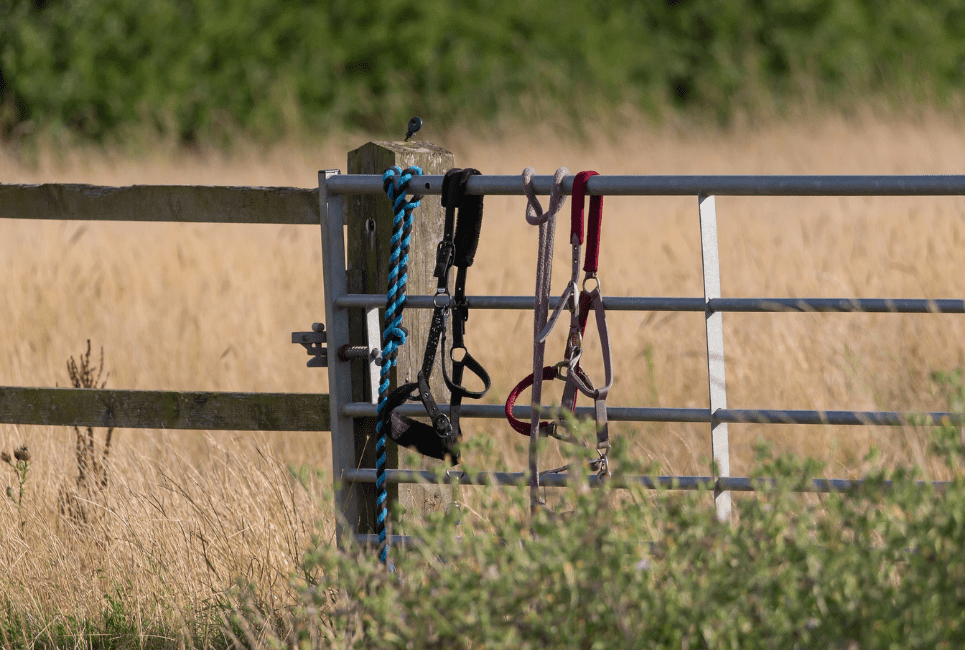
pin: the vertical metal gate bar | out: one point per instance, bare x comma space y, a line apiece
339, 378
373, 331
715, 350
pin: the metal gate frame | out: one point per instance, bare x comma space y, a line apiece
333, 186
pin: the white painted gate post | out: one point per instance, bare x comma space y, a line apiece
715, 351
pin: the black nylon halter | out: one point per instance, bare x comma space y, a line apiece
457, 248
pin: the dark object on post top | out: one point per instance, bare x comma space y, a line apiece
414, 125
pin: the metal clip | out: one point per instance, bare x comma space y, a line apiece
313, 342
602, 466
442, 299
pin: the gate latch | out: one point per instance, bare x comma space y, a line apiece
314, 343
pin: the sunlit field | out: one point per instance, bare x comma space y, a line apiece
211, 307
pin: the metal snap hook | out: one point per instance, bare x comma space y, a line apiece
602, 466
562, 368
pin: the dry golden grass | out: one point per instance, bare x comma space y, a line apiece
208, 307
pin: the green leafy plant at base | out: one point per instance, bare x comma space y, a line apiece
878, 566
949, 441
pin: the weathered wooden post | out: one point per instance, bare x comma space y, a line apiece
369, 226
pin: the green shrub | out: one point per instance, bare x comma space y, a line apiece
207, 69
881, 566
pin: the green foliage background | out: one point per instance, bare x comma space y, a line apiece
206, 69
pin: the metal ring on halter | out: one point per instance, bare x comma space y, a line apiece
440, 295
592, 276
452, 354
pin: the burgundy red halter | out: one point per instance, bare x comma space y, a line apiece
579, 303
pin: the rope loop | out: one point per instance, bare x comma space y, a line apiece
534, 210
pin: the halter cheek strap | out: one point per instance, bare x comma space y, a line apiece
576, 379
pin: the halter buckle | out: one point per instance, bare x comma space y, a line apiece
442, 425
445, 253
561, 369
442, 300
574, 351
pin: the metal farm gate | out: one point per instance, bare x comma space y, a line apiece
334, 188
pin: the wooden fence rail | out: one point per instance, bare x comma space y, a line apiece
163, 409
173, 203
156, 409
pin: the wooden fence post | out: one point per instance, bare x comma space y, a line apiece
369, 225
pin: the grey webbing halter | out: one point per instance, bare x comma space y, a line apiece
579, 304
544, 275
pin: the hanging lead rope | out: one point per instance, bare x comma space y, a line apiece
395, 182
544, 276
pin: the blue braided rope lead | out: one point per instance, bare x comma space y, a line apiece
396, 182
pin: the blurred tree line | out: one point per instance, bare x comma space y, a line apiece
198, 70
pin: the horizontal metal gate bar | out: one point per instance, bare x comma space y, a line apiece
933, 185
155, 409
520, 479
494, 411
855, 305
744, 305
655, 414
395, 541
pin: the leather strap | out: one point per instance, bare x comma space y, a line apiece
592, 258
578, 380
